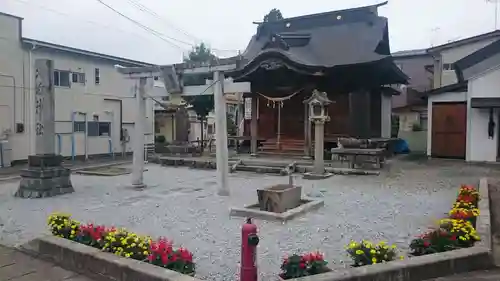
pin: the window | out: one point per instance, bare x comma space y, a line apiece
423, 120
156, 78
61, 78
210, 129
98, 129
77, 77
97, 76
79, 126
448, 66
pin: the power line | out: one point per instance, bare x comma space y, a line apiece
152, 31
79, 19
145, 9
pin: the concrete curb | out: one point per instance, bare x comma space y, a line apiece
2, 179
253, 211
100, 265
478, 257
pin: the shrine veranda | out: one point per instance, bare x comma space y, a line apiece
182, 204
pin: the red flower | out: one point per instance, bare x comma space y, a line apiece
302, 265
453, 238
426, 244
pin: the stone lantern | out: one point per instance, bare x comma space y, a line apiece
318, 114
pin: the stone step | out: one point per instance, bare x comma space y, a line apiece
259, 169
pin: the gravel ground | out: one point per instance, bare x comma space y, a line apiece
182, 204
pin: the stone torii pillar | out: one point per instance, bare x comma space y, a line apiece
45, 176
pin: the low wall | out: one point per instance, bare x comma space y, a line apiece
100, 265
478, 257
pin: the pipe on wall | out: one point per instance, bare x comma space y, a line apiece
73, 152
59, 144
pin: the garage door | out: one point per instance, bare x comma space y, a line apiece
449, 130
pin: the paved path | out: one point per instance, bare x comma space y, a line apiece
17, 266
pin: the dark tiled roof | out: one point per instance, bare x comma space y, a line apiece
468, 40
332, 39
326, 41
476, 57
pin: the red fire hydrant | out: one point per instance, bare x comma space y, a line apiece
249, 242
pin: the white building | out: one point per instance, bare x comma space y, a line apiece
465, 115
87, 87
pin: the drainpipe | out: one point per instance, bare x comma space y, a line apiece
73, 152
14, 87
85, 140
59, 144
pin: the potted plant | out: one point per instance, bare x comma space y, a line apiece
366, 253
296, 266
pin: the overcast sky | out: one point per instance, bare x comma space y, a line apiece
226, 25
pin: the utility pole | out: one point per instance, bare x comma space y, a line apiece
221, 134
138, 140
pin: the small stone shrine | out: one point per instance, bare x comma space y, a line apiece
45, 175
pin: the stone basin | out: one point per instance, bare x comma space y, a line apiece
279, 198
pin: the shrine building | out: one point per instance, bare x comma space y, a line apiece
344, 53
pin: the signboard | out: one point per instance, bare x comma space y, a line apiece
248, 108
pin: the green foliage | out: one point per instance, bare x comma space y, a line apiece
273, 15
200, 53
160, 139
202, 105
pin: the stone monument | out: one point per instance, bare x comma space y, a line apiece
45, 176
318, 114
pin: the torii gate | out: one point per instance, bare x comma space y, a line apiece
172, 84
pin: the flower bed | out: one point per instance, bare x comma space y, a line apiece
123, 243
296, 266
366, 252
457, 231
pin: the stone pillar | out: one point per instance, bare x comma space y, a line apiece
319, 135
307, 133
221, 134
138, 138
44, 177
253, 126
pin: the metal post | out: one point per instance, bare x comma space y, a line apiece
221, 134
138, 141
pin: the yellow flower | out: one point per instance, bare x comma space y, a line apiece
127, 255
374, 260
145, 253
359, 252
373, 252
401, 257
